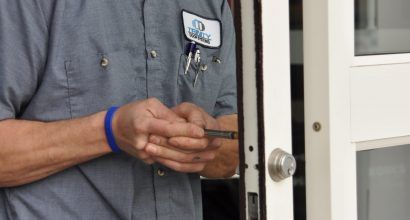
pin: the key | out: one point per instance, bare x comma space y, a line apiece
191, 48
201, 69
197, 57
196, 77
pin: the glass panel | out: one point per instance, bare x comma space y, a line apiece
383, 183
382, 26
298, 121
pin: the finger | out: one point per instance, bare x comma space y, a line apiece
143, 155
140, 141
215, 143
149, 161
162, 141
182, 167
192, 113
160, 111
177, 156
169, 129
187, 143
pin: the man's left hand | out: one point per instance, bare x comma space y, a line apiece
181, 153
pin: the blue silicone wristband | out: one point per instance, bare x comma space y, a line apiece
108, 129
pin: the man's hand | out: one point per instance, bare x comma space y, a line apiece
227, 157
186, 154
133, 123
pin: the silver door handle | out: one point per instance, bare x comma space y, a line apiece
281, 165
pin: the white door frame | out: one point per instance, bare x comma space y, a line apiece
337, 89
330, 155
266, 103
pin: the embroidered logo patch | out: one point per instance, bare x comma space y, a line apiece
203, 31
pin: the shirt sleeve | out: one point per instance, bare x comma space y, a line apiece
23, 50
226, 103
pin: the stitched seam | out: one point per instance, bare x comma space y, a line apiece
68, 87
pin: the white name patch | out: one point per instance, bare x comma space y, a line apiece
203, 31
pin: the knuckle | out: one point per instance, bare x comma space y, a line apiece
140, 124
186, 158
156, 139
186, 104
139, 144
152, 101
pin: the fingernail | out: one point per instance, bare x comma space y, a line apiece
154, 140
199, 132
152, 149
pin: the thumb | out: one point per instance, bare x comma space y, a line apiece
160, 111
191, 113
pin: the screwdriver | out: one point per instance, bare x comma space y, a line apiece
233, 135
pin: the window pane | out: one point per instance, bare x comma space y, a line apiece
383, 182
382, 26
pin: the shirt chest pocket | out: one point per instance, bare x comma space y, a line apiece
202, 82
98, 81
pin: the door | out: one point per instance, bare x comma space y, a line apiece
264, 85
357, 74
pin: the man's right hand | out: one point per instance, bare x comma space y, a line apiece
135, 122
33, 150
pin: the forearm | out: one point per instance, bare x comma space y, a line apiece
227, 159
30, 151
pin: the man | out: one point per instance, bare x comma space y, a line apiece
64, 63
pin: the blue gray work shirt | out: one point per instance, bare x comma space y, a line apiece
64, 59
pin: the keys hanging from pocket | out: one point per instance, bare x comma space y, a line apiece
190, 50
201, 69
197, 57
199, 66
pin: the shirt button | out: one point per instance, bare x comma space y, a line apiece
204, 67
154, 54
217, 60
104, 62
161, 172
